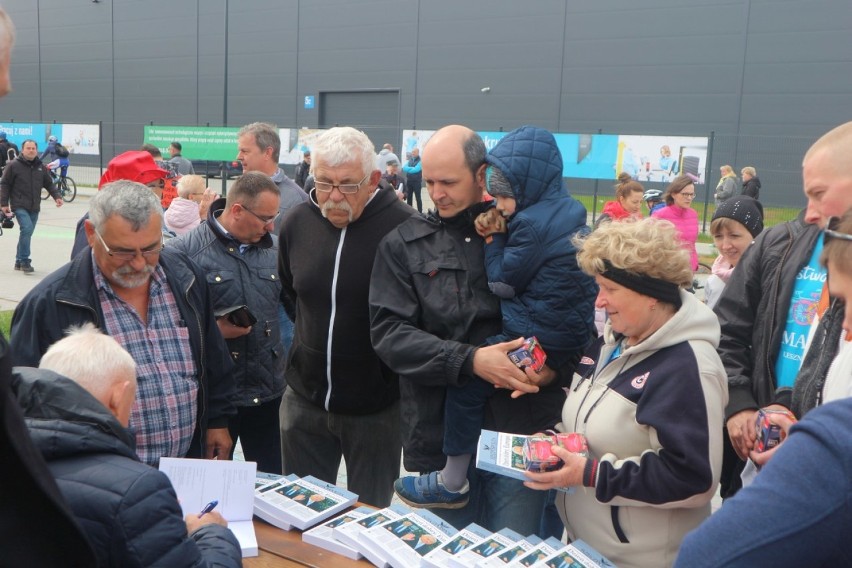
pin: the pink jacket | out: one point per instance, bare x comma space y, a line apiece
182, 215
686, 223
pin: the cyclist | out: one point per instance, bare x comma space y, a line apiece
56, 156
653, 199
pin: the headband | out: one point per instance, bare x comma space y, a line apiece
647, 285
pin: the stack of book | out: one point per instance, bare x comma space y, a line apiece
293, 502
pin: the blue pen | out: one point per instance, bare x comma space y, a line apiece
208, 507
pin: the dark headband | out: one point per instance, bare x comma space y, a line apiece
662, 290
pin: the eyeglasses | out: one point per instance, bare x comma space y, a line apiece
832, 232
128, 255
345, 188
264, 220
687, 195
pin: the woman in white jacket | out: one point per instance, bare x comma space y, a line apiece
651, 403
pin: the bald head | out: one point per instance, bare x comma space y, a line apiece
454, 169
827, 175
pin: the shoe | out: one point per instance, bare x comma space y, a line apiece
17, 265
427, 492
26, 267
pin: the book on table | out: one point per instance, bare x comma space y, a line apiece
538, 552
510, 553
268, 480
348, 533
300, 503
464, 539
406, 540
322, 535
231, 483
578, 554
489, 546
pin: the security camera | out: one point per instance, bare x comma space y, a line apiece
485, 89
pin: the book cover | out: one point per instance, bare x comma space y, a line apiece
266, 482
302, 503
348, 533
464, 539
537, 553
510, 553
406, 540
573, 556
198, 482
323, 537
490, 546
503, 454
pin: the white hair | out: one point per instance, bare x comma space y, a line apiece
91, 359
190, 184
342, 145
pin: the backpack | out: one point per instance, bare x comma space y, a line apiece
61, 151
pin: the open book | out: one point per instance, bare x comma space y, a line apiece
231, 483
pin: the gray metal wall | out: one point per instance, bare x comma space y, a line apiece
767, 76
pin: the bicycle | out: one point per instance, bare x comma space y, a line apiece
65, 184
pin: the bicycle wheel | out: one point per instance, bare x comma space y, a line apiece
69, 189
44, 194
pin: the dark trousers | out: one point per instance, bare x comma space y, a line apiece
313, 441
414, 193
464, 412
259, 434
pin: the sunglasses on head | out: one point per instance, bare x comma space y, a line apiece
831, 230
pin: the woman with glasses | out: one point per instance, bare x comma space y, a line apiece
678, 197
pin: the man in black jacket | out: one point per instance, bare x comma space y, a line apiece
431, 310
340, 398
156, 303
77, 405
20, 192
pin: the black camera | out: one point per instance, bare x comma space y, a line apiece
7, 222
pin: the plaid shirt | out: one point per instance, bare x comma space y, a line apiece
163, 416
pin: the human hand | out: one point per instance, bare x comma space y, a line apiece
218, 444
741, 431
540, 379
193, 522
229, 330
489, 222
785, 420
208, 197
6, 210
59, 202
492, 364
570, 474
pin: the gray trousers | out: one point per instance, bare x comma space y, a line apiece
313, 441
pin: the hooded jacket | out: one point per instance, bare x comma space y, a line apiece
685, 220
249, 278
751, 188
182, 216
533, 268
653, 419
325, 277
127, 509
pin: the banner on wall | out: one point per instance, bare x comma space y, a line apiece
604, 156
214, 143
78, 138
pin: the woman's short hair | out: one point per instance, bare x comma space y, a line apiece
647, 247
189, 184
839, 251
676, 186
627, 185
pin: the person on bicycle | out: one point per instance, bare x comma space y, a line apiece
56, 156
653, 199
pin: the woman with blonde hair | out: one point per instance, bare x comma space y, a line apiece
727, 186
627, 203
650, 403
190, 207
678, 210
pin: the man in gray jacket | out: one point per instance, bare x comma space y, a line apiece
235, 249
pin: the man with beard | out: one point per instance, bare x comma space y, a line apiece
156, 304
340, 399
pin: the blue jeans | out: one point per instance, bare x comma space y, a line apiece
498, 502
26, 222
464, 411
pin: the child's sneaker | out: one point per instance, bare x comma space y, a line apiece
428, 492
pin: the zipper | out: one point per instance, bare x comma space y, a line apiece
334, 279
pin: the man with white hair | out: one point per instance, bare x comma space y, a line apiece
341, 399
157, 305
77, 406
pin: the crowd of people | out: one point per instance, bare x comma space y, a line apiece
342, 324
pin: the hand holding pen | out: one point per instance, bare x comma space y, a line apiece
208, 507
207, 516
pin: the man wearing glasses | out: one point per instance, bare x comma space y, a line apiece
235, 249
777, 300
341, 399
156, 304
